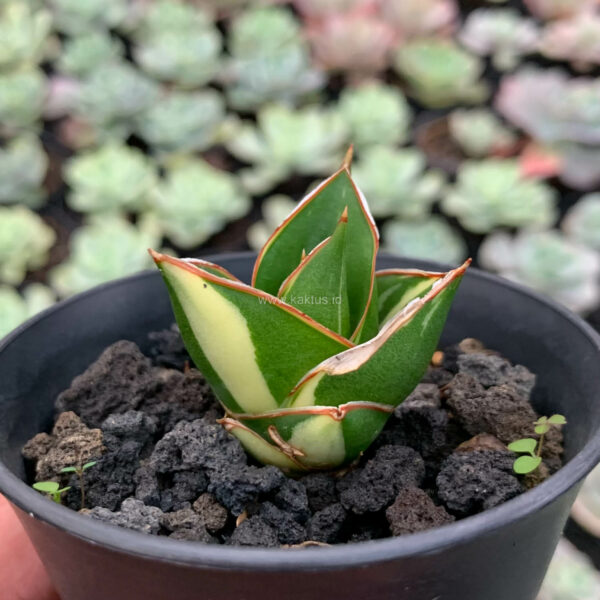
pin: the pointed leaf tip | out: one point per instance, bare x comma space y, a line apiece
347, 164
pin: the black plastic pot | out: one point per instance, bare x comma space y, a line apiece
501, 554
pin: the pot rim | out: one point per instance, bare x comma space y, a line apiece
333, 557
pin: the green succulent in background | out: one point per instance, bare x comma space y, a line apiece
112, 178
479, 132
24, 243
22, 96
397, 182
178, 43
270, 60
571, 576
375, 114
493, 193
576, 40
284, 141
309, 385
81, 55
501, 33
112, 96
196, 200
16, 308
549, 262
440, 73
23, 34
560, 112
430, 239
274, 210
23, 165
106, 247
183, 122
582, 221
73, 17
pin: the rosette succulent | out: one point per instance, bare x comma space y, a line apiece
397, 182
582, 222
312, 358
494, 193
23, 165
549, 262
270, 60
24, 243
440, 73
561, 113
576, 40
420, 18
73, 17
558, 9
22, 96
501, 33
322, 8
112, 96
16, 308
196, 200
106, 247
178, 43
479, 132
81, 55
375, 114
183, 122
309, 141
23, 34
430, 239
357, 42
111, 178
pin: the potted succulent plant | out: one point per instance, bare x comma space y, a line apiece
309, 362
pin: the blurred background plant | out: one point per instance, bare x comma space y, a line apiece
199, 124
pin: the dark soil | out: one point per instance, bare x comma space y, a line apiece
164, 467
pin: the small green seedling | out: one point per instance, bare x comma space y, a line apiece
80, 471
51, 489
531, 447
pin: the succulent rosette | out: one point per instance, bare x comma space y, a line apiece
310, 360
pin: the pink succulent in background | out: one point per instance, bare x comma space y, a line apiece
415, 18
316, 9
576, 40
356, 42
557, 9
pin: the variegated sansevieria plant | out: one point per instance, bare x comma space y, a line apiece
312, 358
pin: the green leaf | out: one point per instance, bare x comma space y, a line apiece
542, 429
542, 421
251, 346
69, 470
313, 219
47, 487
557, 420
526, 464
317, 286
323, 437
387, 368
397, 287
525, 446
89, 465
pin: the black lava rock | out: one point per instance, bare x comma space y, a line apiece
292, 498
320, 490
186, 524
375, 486
116, 383
254, 531
413, 511
289, 531
167, 349
470, 482
327, 524
133, 515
